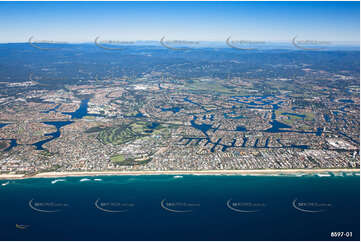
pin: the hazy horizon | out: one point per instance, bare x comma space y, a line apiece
206, 21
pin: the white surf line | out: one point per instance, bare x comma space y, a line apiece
57, 180
84, 180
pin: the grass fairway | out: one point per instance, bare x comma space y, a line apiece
118, 135
126, 133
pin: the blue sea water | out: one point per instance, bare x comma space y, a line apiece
200, 208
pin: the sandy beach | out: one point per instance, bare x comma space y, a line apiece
206, 172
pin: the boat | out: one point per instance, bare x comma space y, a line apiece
21, 226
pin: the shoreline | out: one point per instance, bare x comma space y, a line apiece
206, 172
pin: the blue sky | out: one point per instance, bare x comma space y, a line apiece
213, 21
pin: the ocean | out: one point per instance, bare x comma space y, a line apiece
189, 207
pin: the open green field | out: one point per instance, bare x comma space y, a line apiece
117, 158
127, 160
307, 116
3, 145
46, 153
214, 86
